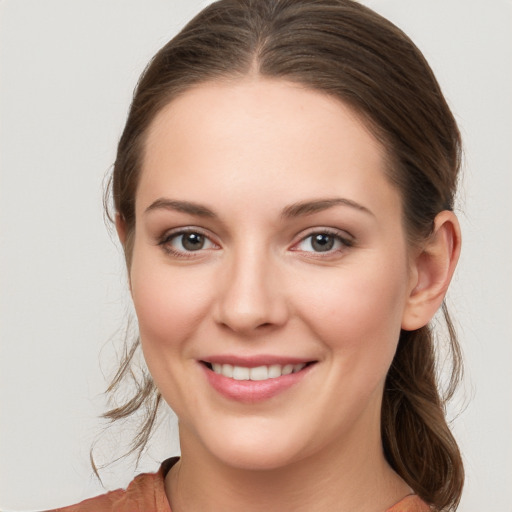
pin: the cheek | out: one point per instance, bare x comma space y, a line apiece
169, 303
357, 311
169, 306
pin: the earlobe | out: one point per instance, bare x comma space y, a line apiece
432, 271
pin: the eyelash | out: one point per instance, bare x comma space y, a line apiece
345, 241
166, 240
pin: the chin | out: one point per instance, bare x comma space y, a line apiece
257, 448
254, 458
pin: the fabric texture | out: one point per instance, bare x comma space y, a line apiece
146, 493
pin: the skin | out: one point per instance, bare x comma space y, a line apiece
247, 151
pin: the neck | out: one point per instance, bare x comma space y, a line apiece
350, 474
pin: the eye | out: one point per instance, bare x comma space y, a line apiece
323, 241
183, 243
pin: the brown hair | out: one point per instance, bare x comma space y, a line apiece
348, 51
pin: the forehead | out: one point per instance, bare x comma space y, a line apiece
237, 138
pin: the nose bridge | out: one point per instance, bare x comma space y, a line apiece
250, 295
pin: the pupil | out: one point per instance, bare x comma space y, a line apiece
193, 241
322, 242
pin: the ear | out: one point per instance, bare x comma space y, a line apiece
121, 233
432, 269
121, 229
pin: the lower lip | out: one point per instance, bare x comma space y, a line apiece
251, 391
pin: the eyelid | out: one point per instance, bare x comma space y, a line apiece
346, 239
166, 238
343, 236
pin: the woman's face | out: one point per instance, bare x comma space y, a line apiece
268, 240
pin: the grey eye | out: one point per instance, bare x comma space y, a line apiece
322, 242
190, 241
186, 242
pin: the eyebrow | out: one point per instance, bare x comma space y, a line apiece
303, 208
299, 209
180, 206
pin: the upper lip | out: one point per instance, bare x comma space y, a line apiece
255, 360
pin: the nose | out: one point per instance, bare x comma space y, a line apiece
251, 298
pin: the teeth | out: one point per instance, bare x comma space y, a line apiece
257, 373
226, 370
287, 369
240, 373
274, 371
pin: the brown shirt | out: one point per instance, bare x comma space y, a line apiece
146, 493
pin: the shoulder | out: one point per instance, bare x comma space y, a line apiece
410, 503
145, 493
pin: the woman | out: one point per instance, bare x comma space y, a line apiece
283, 192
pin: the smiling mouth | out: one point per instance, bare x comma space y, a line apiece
257, 373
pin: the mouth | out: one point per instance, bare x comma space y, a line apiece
251, 380
255, 373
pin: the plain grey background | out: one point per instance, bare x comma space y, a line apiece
68, 68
